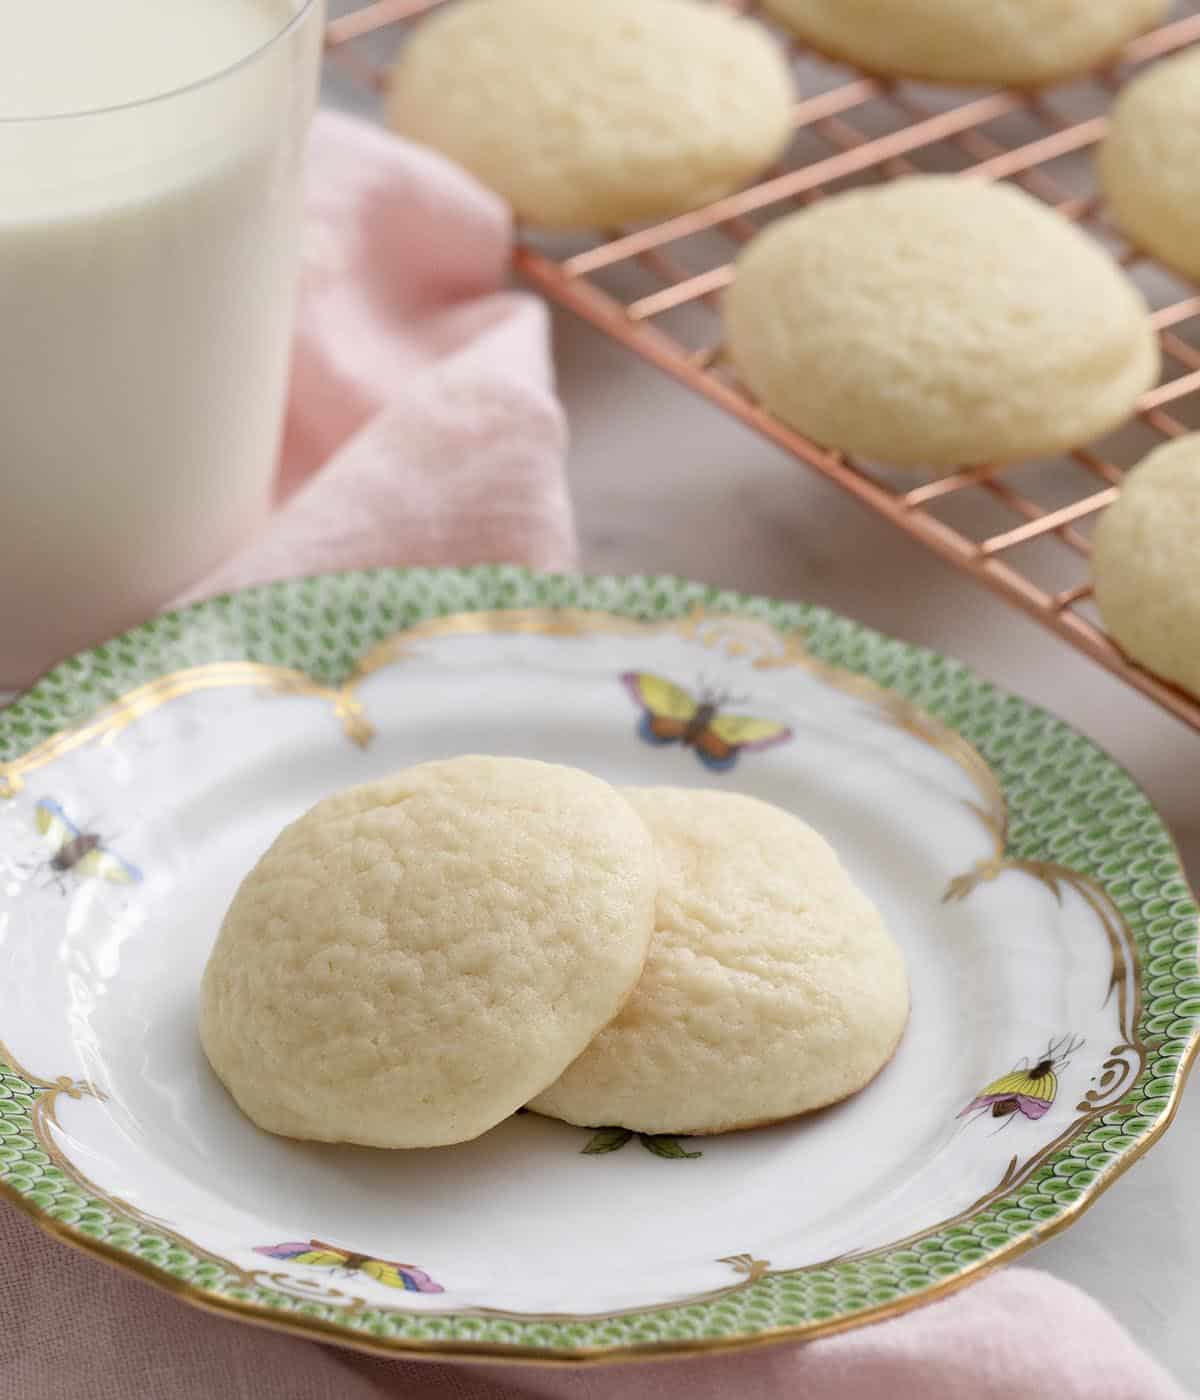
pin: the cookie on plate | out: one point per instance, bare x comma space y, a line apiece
1149, 163
1146, 563
772, 987
1016, 42
415, 958
937, 321
596, 113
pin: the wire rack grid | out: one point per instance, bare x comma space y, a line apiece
1023, 531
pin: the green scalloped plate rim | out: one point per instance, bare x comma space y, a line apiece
1068, 802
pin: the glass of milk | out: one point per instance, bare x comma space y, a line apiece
151, 157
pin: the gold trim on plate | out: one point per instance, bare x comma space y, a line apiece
219, 675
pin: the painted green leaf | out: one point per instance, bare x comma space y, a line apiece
607, 1140
665, 1146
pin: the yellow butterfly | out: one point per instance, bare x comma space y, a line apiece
80, 851
1030, 1089
328, 1256
670, 715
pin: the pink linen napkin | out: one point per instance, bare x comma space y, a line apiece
422, 426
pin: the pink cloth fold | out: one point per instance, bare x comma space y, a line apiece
1019, 1335
422, 425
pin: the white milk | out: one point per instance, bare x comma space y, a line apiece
147, 261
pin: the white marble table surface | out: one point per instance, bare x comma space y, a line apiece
664, 482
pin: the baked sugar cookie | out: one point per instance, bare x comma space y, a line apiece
415, 958
596, 113
1149, 162
772, 987
1146, 563
1016, 42
936, 322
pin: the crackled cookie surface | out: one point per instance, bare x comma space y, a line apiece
415, 958
1022, 42
936, 322
772, 987
594, 113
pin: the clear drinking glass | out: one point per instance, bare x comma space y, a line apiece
148, 255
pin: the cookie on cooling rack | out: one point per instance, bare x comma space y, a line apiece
1015, 42
1145, 567
936, 322
772, 987
1149, 162
596, 113
415, 958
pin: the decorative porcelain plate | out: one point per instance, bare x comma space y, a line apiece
1049, 932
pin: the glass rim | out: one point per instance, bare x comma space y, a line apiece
305, 8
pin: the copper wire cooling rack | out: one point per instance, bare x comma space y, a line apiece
1023, 531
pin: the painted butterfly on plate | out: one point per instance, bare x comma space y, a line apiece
80, 852
1029, 1089
672, 715
327, 1256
